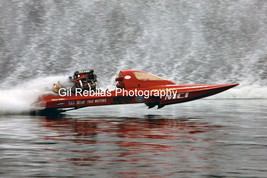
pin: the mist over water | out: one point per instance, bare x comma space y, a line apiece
186, 41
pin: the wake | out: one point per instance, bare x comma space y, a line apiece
18, 99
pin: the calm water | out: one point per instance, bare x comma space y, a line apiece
198, 139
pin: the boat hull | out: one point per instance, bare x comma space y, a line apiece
171, 94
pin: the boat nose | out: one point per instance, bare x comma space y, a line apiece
234, 84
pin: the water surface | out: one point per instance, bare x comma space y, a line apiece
201, 138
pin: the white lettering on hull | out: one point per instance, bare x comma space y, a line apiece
177, 96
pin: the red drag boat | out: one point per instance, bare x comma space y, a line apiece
132, 87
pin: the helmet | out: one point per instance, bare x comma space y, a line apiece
92, 71
56, 87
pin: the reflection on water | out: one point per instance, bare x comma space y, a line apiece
134, 146
221, 142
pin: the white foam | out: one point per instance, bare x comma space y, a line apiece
18, 99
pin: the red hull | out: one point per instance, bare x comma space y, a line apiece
134, 88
